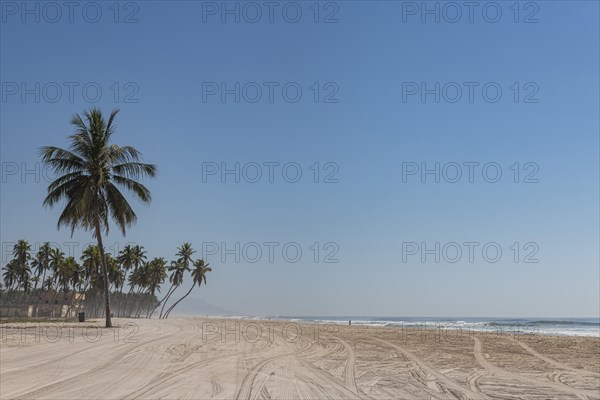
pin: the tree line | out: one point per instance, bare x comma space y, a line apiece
134, 281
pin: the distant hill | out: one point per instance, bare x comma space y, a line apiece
193, 306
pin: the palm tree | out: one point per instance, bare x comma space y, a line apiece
90, 169
131, 257
178, 267
41, 262
11, 274
116, 278
21, 252
11, 279
156, 275
48, 283
198, 276
90, 259
41, 265
69, 275
57, 258
139, 256
139, 279
22, 256
149, 277
125, 257
65, 273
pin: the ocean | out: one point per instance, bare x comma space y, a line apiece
542, 326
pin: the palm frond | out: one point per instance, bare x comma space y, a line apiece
135, 187
122, 213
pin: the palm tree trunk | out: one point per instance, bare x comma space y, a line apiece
177, 302
52, 302
9, 300
104, 269
165, 299
143, 301
126, 305
37, 302
83, 293
149, 304
134, 303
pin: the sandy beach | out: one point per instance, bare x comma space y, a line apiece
201, 358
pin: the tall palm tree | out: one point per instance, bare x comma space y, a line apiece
21, 252
179, 267
198, 276
90, 259
115, 274
125, 257
155, 276
41, 263
91, 169
11, 274
11, 279
66, 271
57, 258
139, 279
22, 256
131, 257
125, 262
69, 277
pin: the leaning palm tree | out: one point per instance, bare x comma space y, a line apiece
156, 275
90, 171
198, 276
178, 267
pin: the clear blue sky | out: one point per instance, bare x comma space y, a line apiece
169, 60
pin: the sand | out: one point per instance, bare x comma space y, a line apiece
198, 358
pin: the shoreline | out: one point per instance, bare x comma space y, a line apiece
518, 328
433, 330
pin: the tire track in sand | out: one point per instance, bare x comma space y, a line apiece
449, 383
579, 393
473, 380
245, 389
74, 379
328, 380
350, 368
555, 363
325, 380
158, 382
